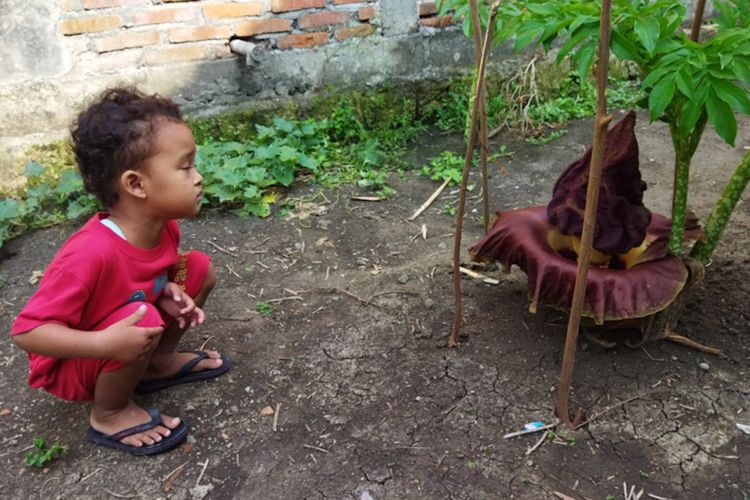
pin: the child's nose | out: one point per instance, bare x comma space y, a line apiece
198, 178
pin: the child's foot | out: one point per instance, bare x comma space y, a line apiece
164, 366
178, 368
112, 422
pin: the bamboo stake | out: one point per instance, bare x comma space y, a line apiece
695, 32
453, 340
483, 135
601, 123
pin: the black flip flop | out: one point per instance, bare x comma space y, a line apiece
185, 375
177, 436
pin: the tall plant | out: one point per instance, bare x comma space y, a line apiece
687, 83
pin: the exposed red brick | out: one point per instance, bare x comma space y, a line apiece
230, 10
326, 18
366, 13
90, 24
361, 30
259, 26
170, 15
195, 33
303, 40
344, 2
427, 9
126, 40
103, 4
288, 5
437, 22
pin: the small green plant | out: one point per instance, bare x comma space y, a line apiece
644, 474
609, 497
524, 480
49, 198
446, 167
264, 308
471, 465
240, 174
43, 454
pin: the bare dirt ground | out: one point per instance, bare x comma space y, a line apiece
372, 405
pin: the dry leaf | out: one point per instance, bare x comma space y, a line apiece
376, 269
324, 242
5, 411
266, 411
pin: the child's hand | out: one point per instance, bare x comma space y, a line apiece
124, 341
180, 306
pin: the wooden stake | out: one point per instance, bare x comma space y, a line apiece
482, 97
695, 32
453, 340
601, 123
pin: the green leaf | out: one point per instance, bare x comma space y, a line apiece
732, 95
741, 69
725, 60
34, 169
251, 192
688, 117
308, 162
282, 124
584, 57
288, 154
685, 83
284, 174
660, 97
721, 117
230, 177
70, 182
576, 39
256, 175
624, 48
10, 208
647, 30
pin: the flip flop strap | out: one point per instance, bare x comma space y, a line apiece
188, 367
155, 420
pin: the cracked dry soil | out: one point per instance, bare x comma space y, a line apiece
372, 403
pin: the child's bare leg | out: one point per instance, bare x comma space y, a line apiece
114, 411
166, 360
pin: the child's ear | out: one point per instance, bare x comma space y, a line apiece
131, 182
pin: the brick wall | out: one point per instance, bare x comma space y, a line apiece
153, 32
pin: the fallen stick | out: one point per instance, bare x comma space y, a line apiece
479, 276
531, 431
200, 476
172, 476
610, 408
537, 445
221, 249
429, 201
276, 417
311, 447
365, 198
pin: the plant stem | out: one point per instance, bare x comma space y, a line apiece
695, 31
483, 139
453, 340
723, 209
601, 123
684, 149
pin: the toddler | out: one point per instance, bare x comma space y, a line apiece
117, 297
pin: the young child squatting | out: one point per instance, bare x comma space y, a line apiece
116, 299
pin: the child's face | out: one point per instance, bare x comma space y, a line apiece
172, 184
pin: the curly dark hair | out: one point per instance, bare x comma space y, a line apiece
115, 134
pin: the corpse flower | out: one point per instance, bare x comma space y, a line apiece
632, 275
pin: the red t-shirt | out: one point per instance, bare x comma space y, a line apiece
93, 274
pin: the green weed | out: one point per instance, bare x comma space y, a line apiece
43, 454
264, 308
